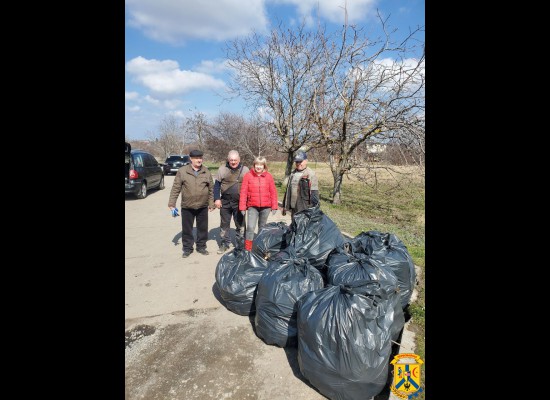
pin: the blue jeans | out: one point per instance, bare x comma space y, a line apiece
255, 215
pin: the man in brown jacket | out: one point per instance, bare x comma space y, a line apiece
194, 182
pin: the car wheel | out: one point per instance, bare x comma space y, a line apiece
142, 191
161, 183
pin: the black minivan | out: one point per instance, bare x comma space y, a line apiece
142, 172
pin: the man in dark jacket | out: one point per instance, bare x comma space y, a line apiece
226, 197
302, 190
194, 182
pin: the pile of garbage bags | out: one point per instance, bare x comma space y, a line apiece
339, 301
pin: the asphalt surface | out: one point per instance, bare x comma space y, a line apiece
181, 341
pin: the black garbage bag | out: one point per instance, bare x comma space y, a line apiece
344, 339
237, 276
286, 279
272, 238
347, 268
314, 235
389, 252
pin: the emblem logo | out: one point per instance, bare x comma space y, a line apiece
406, 375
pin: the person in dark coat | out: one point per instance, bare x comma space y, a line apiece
226, 197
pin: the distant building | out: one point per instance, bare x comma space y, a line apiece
375, 151
376, 148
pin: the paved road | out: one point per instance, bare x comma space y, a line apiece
181, 342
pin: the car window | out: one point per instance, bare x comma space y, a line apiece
150, 160
138, 161
178, 158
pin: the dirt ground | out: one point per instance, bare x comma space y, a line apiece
181, 341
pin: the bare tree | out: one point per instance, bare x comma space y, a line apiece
226, 133
233, 132
276, 75
169, 139
368, 88
196, 128
257, 141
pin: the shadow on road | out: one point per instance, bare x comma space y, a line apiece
213, 234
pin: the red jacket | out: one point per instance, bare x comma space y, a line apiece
258, 191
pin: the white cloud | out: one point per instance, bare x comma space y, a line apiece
151, 100
178, 114
133, 108
178, 21
212, 66
165, 79
171, 104
333, 10
131, 95
175, 21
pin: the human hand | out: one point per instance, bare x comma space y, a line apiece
283, 212
273, 212
218, 203
243, 213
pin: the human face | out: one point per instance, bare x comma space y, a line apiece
300, 166
196, 162
233, 161
259, 168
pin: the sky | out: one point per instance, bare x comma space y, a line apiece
174, 49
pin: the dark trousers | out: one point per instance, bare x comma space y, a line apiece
230, 209
188, 216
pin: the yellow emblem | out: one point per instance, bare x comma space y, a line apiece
406, 375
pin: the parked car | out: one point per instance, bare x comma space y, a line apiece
175, 162
142, 172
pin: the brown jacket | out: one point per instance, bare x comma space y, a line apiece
196, 191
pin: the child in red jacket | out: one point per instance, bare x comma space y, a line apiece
259, 196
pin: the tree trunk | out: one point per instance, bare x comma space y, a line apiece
336, 189
289, 165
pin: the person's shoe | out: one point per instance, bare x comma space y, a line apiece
186, 254
204, 252
223, 248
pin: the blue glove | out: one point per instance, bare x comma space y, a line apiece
175, 212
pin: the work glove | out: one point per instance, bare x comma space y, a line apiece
273, 212
174, 212
243, 213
